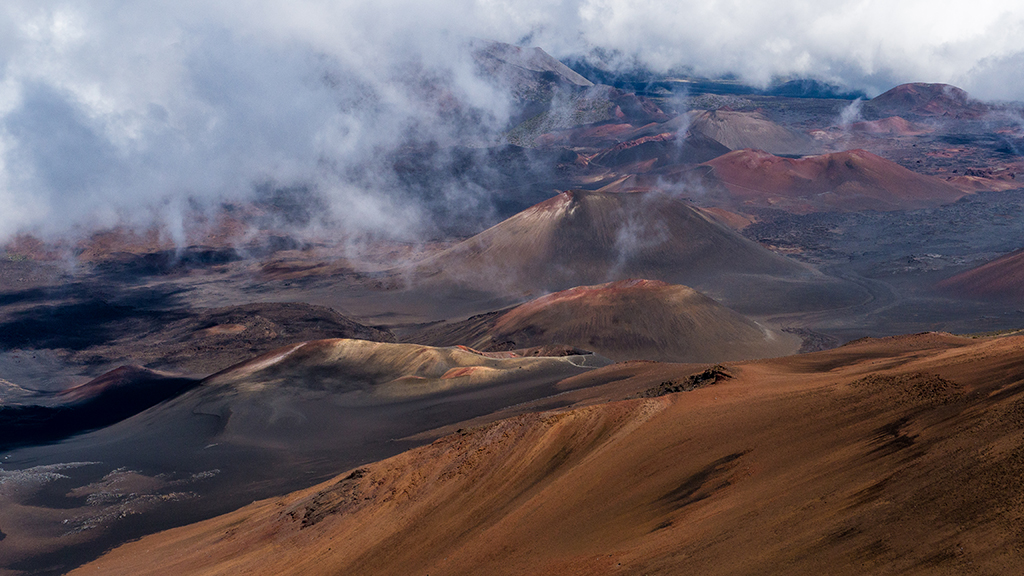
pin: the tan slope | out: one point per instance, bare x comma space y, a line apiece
891, 456
626, 320
843, 181
377, 371
288, 397
1000, 279
582, 237
739, 130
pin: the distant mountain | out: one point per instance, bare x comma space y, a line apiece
926, 100
529, 72
843, 181
739, 130
582, 237
810, 88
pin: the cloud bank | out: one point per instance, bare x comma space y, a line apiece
114, 111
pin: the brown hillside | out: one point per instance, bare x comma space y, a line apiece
922, 99
843, 181
891, 456
1000, 279
583, 238
739, 130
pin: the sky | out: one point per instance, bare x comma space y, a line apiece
125, 112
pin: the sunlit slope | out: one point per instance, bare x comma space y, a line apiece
898, 455
625, 320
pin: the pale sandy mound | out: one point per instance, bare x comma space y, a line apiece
375, 371
626, 320
894, 456
851, 181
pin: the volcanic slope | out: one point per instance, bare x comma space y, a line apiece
277, 423
1000, 279
740, 130
659, 150
926, 100
583, 238
849, 181
28, 417
893, 456
524, 69
624, 320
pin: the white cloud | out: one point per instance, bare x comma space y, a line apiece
111, 108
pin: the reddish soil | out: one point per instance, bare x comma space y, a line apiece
843, 181
899, 455
624, 320
1000, 279
941, 100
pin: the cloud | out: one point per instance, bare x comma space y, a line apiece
115, 111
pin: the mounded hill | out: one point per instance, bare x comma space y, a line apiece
291, 395
739, 130
274, 424
662, 149
848, 181
889, 456
581, 238
930, 100
624, 320
1000, 279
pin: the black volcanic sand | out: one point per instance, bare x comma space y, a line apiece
39, 417
217, 448
86, 334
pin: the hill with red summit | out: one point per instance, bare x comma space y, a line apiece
624, 320
927, 100
848, 181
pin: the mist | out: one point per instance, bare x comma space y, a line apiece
117, 113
